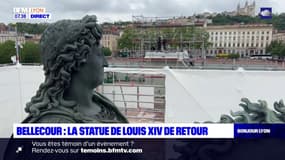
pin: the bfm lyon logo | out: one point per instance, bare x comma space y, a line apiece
265, 13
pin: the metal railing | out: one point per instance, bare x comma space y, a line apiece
136, 105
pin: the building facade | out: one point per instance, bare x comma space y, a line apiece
3, 27
110, 40
279, 36
6, 36
240, 39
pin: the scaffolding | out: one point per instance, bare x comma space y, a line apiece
167, 34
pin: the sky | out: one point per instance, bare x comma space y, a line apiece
123, 10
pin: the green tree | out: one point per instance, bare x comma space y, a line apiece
276, 48
278, 21
127, 39
233, 56
106, 51
7, 49
30, 53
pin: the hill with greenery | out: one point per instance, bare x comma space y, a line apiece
31, 28
278, 20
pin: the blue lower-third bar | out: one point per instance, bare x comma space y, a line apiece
259, 130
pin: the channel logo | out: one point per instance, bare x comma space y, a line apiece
31, 13
265, 13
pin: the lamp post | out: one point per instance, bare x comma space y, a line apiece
203, 49
17, 47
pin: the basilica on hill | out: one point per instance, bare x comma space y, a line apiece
247, 10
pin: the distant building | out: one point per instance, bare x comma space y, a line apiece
168, 22
247, 10
5, 36
110, 41
279, 36
33, 38
110, 37
245, 40
3, 27
231, 13
208, 14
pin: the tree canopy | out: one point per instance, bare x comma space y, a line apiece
7, 50
126, 40
106, 51
276, 48
30, 53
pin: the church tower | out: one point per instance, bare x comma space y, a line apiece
238, 9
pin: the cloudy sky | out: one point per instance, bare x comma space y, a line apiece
115, 10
